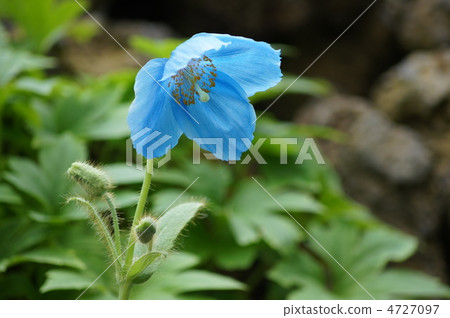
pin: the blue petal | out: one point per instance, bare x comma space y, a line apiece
227, 116
195, 47
154, 129
255, 66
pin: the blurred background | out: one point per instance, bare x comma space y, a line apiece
377, 104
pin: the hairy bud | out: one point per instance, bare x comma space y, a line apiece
93, 180
145, 229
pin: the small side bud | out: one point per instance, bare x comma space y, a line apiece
93, 180
145, 229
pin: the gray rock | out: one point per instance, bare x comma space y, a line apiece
416, 86
394, 151
420, 24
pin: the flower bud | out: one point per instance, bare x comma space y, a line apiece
146, 229
93, 180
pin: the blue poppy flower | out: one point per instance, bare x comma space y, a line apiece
202, 91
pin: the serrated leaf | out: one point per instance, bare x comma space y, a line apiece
252, 217
370, 250
46, 180
95, 114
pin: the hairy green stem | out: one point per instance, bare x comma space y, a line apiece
124, 291
126, 285
103, 227
115, 218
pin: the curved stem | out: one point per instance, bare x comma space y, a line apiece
102, 227
139, 210
112, 207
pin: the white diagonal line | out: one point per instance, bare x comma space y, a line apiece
315, 240
136, 240
314, 62
133, 58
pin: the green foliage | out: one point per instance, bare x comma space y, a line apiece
364, 254
48, 122
176, 279
293, 85
154, 47
43, 22
58, 279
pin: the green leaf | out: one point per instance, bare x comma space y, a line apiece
233, 257
175, 278
251, 217
141, 264
298, 269
154, 47
54, 16
26, 176
296, 202
21, 235
370, 250
364, 253
14, 62
197, 280
47, 182
401, 283
8, 195
58, 279
122, 174
313, 292
36, 86
168, 228
280, 232
112, 126
94, 114
171, 223
45, 255
212, 241
292, 85
243, 229
212, 188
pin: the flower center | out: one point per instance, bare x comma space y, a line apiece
196, 79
